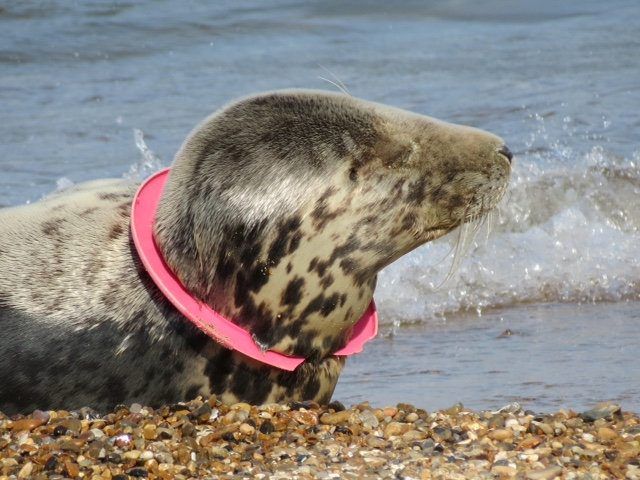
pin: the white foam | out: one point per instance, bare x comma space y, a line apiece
570, 232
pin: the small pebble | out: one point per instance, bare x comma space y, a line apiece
25, 471
72, 468
138, 472
114, 457
606, 434
132, 454
395, 429
26, 424
122, 441
203, 413
51, 463
247, 429
241, 406
602, 411
369, 419
267, 427
305, 417
188, 430
41, 416
504, 470
335, 418
150, 431
544, 474
376, 442
501, 435
544, 427
412, 417
390, 411
72, 425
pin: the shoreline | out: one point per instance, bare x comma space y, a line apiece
486, 362
206, 439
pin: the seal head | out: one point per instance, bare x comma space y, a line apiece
282, 207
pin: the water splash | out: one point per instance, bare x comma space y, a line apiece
63, 183
148, 163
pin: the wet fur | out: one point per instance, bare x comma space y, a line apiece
279, 212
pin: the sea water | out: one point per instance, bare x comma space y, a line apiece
544, 310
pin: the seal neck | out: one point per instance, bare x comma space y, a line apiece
215, 325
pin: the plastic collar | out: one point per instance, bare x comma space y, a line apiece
220, 329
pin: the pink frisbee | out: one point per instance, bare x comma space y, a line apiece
222, 330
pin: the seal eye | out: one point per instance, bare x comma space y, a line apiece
353, 175
506, 152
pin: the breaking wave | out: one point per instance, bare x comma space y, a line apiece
567, 231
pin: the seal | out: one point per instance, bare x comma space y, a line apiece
278, 213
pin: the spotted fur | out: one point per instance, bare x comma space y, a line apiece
279, 211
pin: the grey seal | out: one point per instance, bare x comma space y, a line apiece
279, 212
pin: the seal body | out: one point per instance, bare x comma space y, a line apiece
279, 211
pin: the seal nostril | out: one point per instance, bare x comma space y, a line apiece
506, 152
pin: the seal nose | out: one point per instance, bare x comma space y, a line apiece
506, 152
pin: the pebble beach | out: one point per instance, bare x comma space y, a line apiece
204, 439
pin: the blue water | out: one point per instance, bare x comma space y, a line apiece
560, 81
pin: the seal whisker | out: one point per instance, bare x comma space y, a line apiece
490, 219
338, 83
474, 227
446, 255
467, 233
463, 231
346, 92
507, 194
463, 234
486, 222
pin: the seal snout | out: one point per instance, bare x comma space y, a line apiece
504, 151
